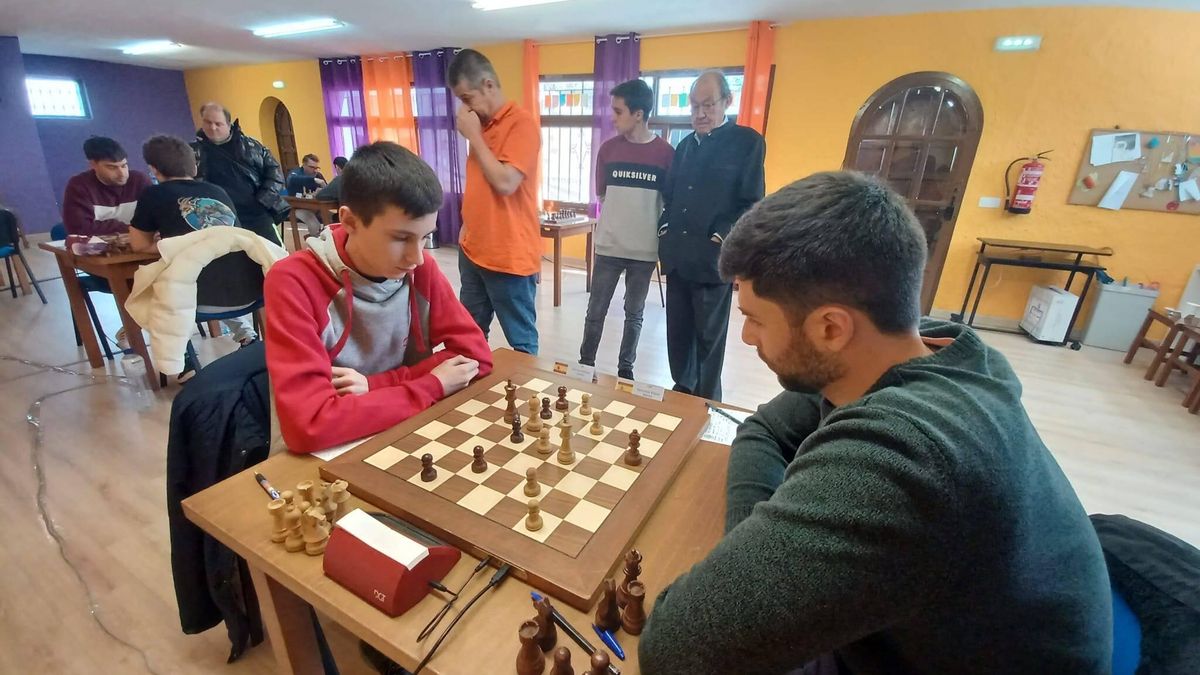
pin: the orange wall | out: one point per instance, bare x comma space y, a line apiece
245, 89
1097, 68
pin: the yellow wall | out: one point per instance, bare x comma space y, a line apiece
243, 89
1097, 68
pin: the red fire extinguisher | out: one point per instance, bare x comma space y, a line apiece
1020, 198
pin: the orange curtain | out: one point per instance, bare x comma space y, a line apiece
760, 52
530, 82
387, 84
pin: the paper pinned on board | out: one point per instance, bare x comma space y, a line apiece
1118, 192
1113, 148
1189, 190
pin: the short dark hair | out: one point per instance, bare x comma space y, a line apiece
383, 174
170, 155
471, 66
836, 237
103, 149
310, 156
340, 162
637, 96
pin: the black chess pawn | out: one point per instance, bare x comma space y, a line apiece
517, 436
479, 464
545, 414
561, 404
562, 662
428, 472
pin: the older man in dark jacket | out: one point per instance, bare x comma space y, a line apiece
717, 175
227, 157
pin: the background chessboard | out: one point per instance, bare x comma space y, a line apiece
590, 509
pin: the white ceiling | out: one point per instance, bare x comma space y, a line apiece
217, 31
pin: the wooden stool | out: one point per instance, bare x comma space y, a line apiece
1160, 349
1183, 359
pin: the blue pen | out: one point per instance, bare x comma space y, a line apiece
574, 634
609, 639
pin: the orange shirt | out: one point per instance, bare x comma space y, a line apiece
502, 233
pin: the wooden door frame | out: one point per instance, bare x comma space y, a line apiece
295, 150
974, 128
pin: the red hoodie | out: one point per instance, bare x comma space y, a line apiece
299, 294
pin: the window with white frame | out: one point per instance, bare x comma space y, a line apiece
566, 108
55, 97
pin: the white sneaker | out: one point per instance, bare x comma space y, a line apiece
122, 339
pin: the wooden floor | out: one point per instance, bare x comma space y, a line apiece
98, 472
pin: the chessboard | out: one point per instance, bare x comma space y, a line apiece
590, 507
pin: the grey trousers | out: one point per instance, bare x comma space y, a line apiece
605, 274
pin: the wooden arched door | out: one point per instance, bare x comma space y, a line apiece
286, 137
919, 133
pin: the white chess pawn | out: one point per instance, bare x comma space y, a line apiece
585, 408
533, 521
596, 429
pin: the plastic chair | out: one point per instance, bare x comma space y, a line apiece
10, 245
89, 284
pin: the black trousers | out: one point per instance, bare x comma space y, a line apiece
697, 323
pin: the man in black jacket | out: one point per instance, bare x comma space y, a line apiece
717, 175
242, 165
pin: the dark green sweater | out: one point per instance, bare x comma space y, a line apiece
924, 528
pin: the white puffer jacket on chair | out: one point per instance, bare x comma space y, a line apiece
163, 300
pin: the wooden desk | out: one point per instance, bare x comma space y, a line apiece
234, 512
557, 232
118, 270
321, 207
1037, 255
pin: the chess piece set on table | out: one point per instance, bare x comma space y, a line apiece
561, 215
303, 518
621, 606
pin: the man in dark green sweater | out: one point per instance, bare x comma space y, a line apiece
894, 512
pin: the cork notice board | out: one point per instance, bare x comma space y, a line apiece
1163, 155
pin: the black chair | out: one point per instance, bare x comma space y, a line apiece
89, 284
10, 245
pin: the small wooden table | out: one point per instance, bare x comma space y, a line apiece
234, 512
321, 207
1037, 255
118, 270
557, 231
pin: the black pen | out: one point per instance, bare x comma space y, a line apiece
266, 486
722, 413
572, 633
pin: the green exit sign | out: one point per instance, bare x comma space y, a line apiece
1019, 43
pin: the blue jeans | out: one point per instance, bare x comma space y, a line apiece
606, 274
508, 297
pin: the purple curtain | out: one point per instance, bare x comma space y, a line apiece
618, 59
440, 144
342, 90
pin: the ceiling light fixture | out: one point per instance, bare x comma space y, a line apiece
150, 47
298, 27
1019, 43
489, 5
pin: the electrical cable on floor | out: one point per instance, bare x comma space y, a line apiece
34, 418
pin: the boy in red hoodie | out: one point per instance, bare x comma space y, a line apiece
354, 319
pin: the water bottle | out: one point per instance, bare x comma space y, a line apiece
135, 369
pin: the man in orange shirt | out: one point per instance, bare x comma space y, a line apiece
501, 247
